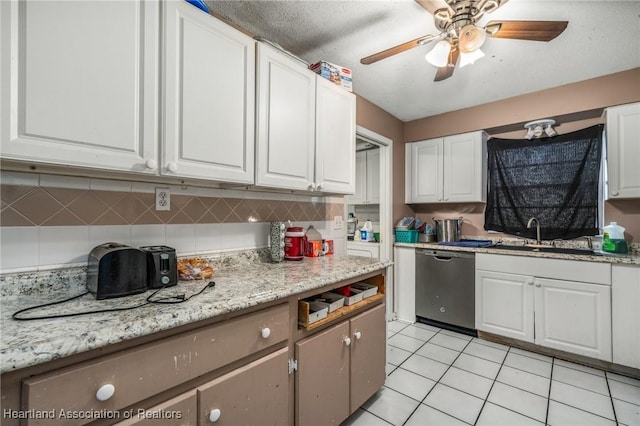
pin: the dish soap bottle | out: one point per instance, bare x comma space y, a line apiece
613, 239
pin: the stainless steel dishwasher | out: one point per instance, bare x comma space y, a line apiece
445, 289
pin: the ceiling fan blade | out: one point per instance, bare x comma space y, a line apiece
397, 49
447, 71
526, 30
432, 5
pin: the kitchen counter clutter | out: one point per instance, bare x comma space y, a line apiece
240, 283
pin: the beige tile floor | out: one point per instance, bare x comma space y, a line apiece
439, 377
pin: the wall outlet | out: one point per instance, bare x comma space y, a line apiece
337, 223
163, 199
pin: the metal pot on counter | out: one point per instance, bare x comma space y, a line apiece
448, 229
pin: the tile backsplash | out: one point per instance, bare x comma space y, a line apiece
52, 221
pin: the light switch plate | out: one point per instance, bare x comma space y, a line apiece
337, 223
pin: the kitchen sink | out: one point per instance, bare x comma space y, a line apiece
549, 249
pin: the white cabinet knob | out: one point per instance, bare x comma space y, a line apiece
319, 187
311, 186
530, 281
105, 392
151, 164
615, 193
347, 341
266, 332
538, 285
172, 167
214, 415
357, 335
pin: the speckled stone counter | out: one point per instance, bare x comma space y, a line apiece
241, 282
629, 259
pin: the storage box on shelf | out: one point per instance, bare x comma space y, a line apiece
406, 236
372, 287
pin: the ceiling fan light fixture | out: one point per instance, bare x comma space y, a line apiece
471, 38
535, 129
471, 57
439, 55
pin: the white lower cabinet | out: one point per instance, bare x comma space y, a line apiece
363, 249
546, 302
404, 278
625, 301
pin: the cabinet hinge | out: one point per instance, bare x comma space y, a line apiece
293, 365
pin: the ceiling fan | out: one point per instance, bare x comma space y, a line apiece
460, 37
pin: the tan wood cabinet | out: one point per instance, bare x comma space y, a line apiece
113, 382
340, 368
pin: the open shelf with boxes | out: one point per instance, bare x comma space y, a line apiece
323, 308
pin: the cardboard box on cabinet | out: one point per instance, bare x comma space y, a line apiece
337, 74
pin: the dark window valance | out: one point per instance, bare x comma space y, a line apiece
555, 180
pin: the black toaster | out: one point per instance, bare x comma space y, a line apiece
162, 266
116, 270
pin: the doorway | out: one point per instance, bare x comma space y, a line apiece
384, 199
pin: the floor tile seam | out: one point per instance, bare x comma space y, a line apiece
415, 338
486, 359
375, 415
448, 414
526, 371
626, 402
582, 409
484, 403
518, 412
620, 381
446, 347
586, 389
532, 357
412, 353
613, 406
582, 371
546, 416
485, 343
523, 389
463, 391
419, 401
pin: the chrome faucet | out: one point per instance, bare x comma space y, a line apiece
538, 241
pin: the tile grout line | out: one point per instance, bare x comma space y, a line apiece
492, 384
553, 366
613, 406
440, 378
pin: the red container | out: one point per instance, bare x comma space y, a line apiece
294, 246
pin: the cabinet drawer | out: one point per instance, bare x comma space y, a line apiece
178, 411
149, 369
256, 394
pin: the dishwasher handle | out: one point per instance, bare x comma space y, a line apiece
443, 259
445, 255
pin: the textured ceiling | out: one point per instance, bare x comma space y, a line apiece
602, 37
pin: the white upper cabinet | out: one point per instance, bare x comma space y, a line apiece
367, 187
79, 83
623, 151
285, 146
335, 147
305, 128
449, 169
209, 101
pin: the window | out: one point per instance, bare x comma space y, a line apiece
556, 180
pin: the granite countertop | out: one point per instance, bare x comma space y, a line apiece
238, 286
629, 259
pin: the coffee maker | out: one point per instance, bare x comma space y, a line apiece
352, 226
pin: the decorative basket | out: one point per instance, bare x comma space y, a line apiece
406, 236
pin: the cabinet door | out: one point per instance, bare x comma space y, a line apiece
404, 279
178, 411
574, 317
464, 168
335, 147
423, 171
373, 176
623, 151
80, 83
209, 106
368, 355
625, 300
360, 193
504, 305
255, 394
285, 143
322, 379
